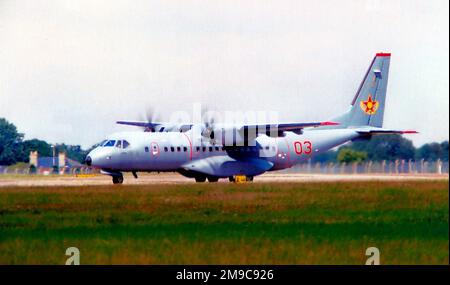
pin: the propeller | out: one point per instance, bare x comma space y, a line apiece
209, 121
150, 116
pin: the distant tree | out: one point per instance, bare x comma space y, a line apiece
444, 146
386, 147
348, 155
42, 147
433, 151
10, 143
327, 156
74, 152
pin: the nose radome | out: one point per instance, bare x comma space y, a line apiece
88, 161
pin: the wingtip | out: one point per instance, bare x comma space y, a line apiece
329, 123
410, 132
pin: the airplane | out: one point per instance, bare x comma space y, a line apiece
208, 151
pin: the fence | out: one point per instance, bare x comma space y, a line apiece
46, 171
380, 167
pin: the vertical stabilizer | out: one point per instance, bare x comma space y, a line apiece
367, 107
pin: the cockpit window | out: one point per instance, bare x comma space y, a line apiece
119, 144
125, 144
110, 143
100, 143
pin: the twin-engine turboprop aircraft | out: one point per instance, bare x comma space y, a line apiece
212, 151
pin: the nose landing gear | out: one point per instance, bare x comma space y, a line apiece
117, 179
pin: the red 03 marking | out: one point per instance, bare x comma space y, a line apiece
303, 147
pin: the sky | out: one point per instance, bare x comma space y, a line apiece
70, 69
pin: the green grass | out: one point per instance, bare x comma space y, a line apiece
298, 223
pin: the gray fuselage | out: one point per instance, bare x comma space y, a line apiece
175, 151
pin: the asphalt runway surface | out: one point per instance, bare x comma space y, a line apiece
174, 178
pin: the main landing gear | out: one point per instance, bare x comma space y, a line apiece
213, 179
202, 178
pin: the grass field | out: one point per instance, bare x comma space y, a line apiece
256, 223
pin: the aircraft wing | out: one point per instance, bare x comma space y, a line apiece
248, 131
139, 124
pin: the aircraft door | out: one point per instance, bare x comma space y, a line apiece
283, 154
154, 149
122, 151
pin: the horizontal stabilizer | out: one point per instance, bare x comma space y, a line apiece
380, 131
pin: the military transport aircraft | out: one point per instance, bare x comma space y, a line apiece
212, 151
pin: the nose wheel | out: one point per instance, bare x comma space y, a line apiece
117, 179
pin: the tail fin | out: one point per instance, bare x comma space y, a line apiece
367, 108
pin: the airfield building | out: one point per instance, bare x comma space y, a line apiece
47, 164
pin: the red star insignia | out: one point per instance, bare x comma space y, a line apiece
369, 106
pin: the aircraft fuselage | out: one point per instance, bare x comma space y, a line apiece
174, 151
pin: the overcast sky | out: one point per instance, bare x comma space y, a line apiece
70, 69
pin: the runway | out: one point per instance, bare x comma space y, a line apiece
174, 178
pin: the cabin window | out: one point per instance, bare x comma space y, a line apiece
178, 148
146, 149
210, 148
125, 144
184, 149
166, 149
172, 149
267, 147
198, 149
204, 149
217, 148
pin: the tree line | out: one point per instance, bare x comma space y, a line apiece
13, 149
385, 147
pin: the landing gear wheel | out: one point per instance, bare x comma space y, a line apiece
249, 178
213, 179
199, 179
117, 179
231, 179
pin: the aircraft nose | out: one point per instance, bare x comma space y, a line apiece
88, 161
